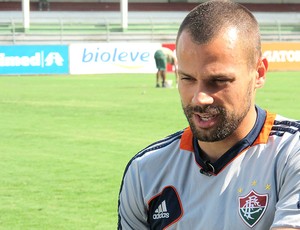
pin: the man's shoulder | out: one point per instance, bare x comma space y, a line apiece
277, 126
160, 149
285, 126
285, 134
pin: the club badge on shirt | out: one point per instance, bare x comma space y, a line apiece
252, 207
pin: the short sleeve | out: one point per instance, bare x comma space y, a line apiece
288, 206
131, 211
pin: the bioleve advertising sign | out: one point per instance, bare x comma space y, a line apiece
34, 59
94, 58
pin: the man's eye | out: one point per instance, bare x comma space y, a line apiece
221, 81
186, 78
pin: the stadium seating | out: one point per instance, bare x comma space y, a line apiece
66, 27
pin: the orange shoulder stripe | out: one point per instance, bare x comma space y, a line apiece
266, 129
186, 142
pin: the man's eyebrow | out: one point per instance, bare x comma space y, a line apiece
183, 73
221, 75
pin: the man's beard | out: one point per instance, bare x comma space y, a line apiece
227, 123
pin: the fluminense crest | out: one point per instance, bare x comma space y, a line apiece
252, 207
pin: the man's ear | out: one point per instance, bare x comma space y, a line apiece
261, 72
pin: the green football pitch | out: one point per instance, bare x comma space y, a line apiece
65, 141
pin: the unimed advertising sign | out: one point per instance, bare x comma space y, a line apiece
282, 55
34, 59
113, 58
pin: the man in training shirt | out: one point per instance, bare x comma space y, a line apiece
236, 166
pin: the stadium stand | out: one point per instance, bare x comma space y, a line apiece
81, 5
70, 22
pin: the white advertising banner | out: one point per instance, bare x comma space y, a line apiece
94, 58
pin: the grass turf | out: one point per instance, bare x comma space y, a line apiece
65, 141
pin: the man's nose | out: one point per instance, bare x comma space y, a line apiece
202, 98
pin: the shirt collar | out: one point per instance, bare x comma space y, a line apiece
258, 134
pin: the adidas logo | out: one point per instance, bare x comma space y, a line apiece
161, 211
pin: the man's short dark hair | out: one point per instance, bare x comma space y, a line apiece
209, 19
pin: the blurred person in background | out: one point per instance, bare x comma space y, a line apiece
237, 166
44, 5
164, 56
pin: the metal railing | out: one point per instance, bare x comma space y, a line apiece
68, 31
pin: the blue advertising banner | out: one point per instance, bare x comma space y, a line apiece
34, 59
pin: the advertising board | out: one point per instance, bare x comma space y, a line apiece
282, 56
97, 58
34, 59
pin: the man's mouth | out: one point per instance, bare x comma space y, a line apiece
205, 121
206, 117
